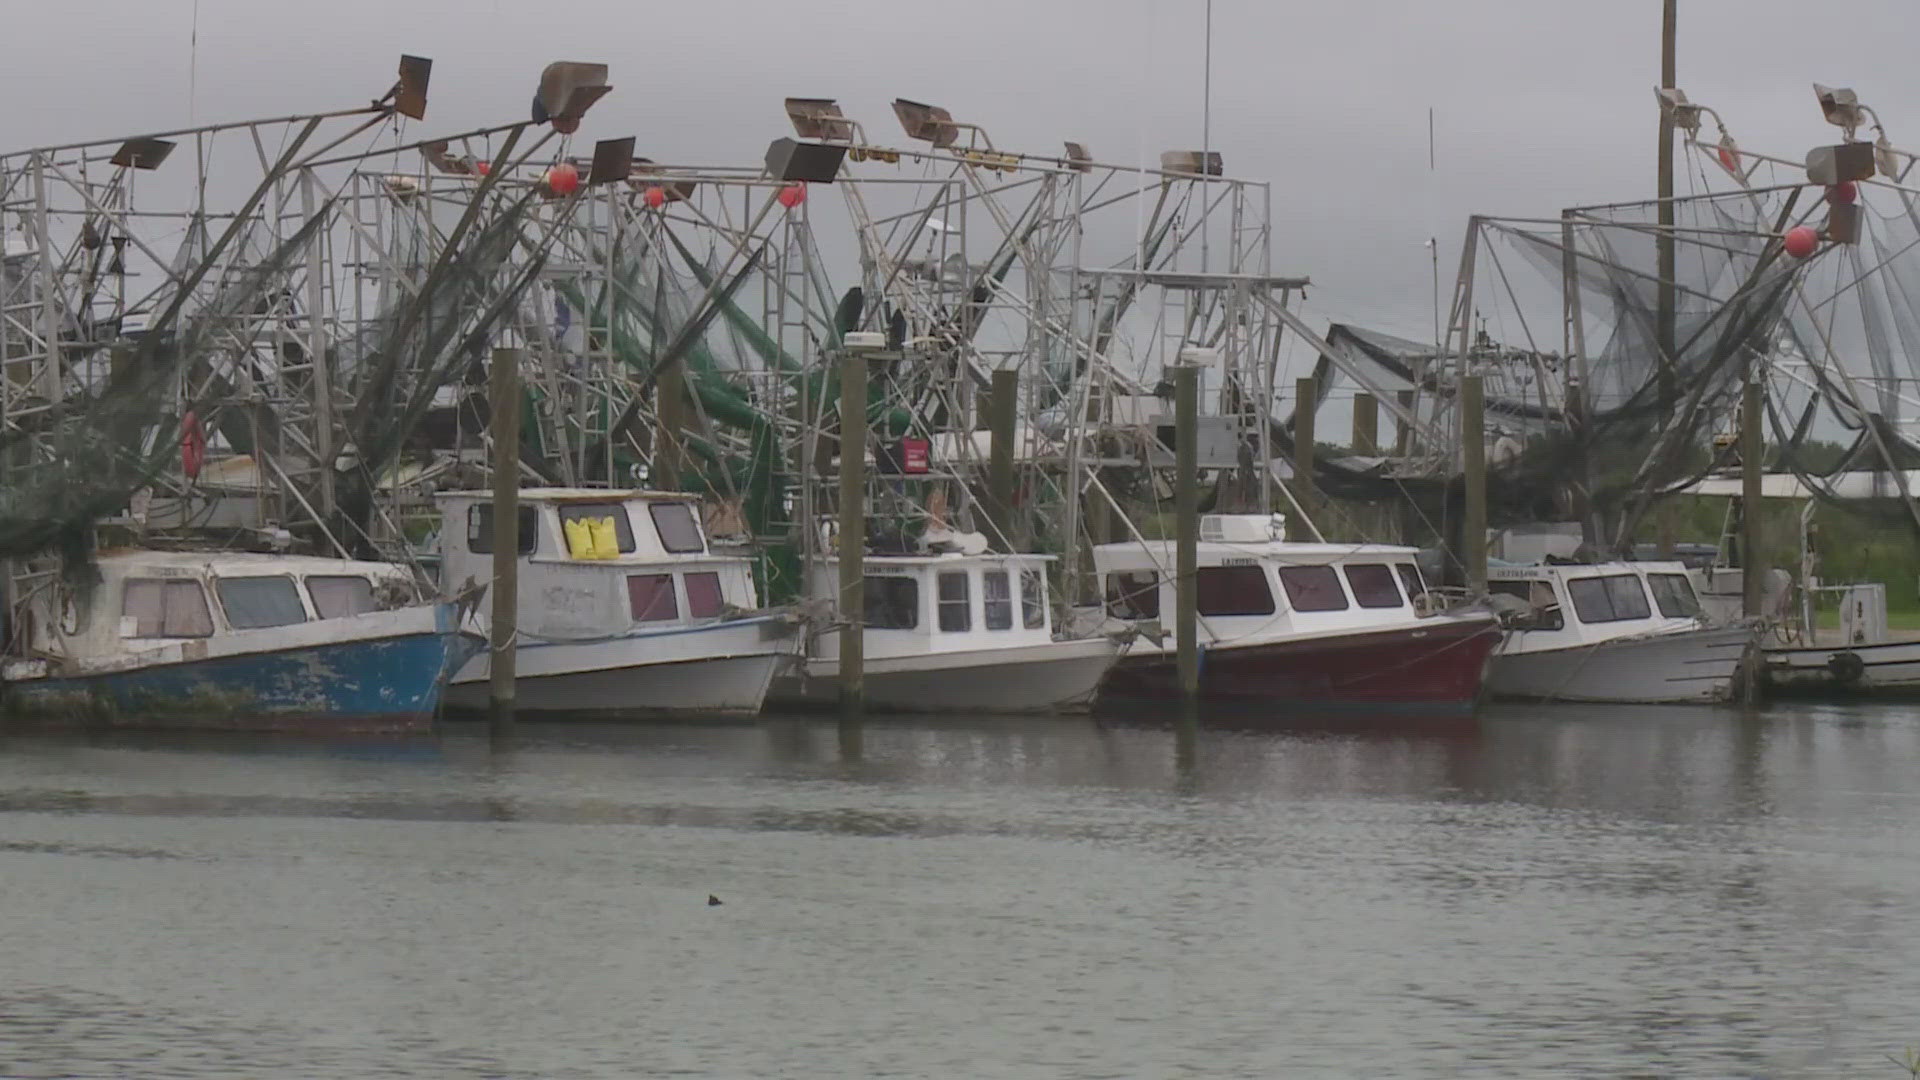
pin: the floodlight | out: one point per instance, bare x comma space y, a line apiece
612, 160
142, 153
806, 162
1685, 114
1193, 163
1077, 157
819, 118
567, 90
410, 93
1842, 107
1832, 165
927, 123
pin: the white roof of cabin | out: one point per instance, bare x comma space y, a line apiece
238, 563
573, 495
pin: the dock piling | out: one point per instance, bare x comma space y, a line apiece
853, 529
1186, 420
503, 393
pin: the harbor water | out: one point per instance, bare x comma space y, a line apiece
1542, 892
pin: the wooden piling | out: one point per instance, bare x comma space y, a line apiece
1753, 563
1003, 409
1366, 425
503, 393
1473, 462
1305, 406
1186, 419
853, 530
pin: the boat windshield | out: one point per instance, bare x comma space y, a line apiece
253, 603
892, 602
336, 596
1613, 598
1674, 594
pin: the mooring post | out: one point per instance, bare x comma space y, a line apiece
1186, 512
670, 407
503, 392
1003, 408
853, 521
1306, 403
1473, 461
1753, 564
1366, 425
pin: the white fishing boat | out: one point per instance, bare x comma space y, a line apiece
954, 632
1610, 632
236, 641
1294, 626
648, 620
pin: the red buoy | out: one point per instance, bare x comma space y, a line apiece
483, 167
563, 179
793, 195
656, 197
1843, 193
193, 445
1801, 241
1729, 160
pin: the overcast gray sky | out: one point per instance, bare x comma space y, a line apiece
1540, 104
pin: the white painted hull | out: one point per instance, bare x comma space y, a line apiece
1891, 667
1689, 666
1046, 677
711, 668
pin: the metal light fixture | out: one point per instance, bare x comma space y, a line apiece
410, 93
1842, 108
804, 162
567, 90
1077, 157
820, 118
1192, 163
146, 154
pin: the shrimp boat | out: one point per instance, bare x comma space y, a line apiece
1589, 632
1294, 626
954, 632
623, 609
237, 641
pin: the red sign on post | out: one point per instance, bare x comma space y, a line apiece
914, 455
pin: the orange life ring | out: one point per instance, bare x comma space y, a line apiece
193, 445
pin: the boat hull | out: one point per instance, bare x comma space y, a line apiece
1058, 676
392, 682
1692, 666
1436, 666
714, 668
1887, 669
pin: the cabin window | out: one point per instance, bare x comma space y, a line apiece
956, 608
1232, 590
588, 513
1134, 595
1410, 577
679, 531
892, 603
253, 603
338, 597
1313, 588
1373, 585
1033, 599
996, 598
166, 608
651, 597
703, 595
480, 529
1674, 594
1614, 598
1543, 606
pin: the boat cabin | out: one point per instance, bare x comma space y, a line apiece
1249, 581
148, 600
944, 603
1574, 604
595, 561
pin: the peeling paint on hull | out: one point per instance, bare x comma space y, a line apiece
384, 684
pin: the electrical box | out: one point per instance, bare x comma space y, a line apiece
1863, 614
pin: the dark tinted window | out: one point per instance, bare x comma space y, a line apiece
703, 595
679, 530
1372, 585
893, 603
956, 613
996, 599
1410, 577
1033, 599
1134, 595
1674, 594
1613, 598
480, 529
252, 603
650, 597
1232, 590
622, 525
1313, 588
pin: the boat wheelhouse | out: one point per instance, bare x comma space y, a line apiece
1294, 626
1610, 632
623, 607
954, 633
238, 641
